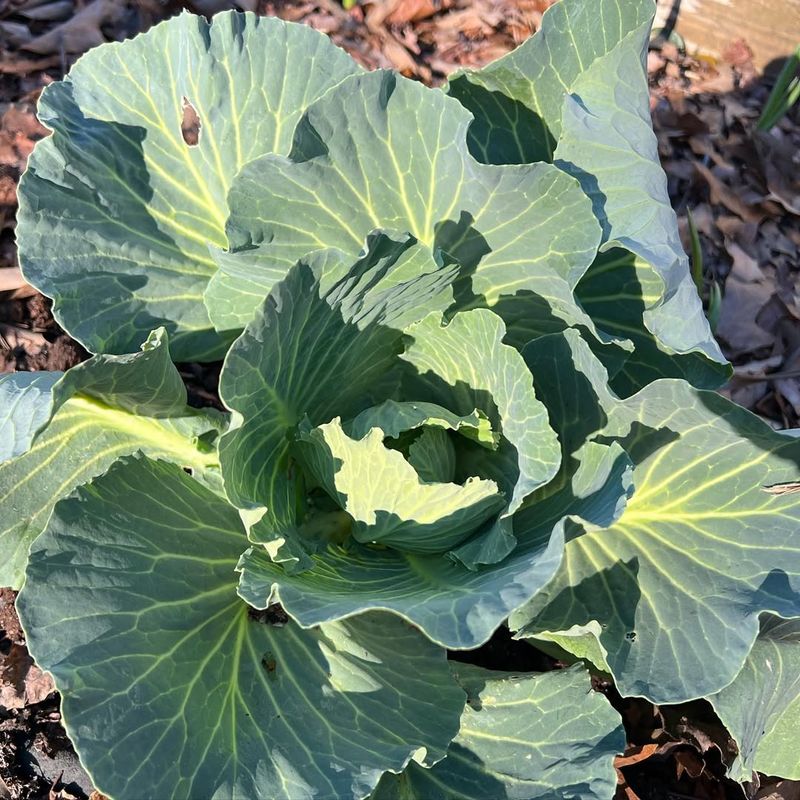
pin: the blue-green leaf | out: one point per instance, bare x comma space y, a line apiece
117, 210
380, 151
98, 411
761, 708
26, 403
322, 344
522, 737
173, 688
702, 548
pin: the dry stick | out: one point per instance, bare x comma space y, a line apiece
771, 376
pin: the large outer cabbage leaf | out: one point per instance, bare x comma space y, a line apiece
518, 99
522, 737
117, 210
98, 411
173, 688
576, 94
380, 151
703, 546
761, 708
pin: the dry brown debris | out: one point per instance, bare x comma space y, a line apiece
743, 191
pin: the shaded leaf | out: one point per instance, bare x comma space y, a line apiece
765, 725
170, 683
26, 400
677, 583
522, 737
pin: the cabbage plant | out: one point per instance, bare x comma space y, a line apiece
467, 383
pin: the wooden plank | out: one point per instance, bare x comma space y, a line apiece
770, 27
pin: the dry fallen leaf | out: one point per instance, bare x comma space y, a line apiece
22, 683
779, 790
641, 753
81, 31
781, 165
722, 194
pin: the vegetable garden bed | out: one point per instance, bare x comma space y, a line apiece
466, 392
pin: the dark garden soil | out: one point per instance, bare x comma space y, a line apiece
742, 188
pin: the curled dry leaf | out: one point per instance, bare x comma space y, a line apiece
81, 31
781, 166
22, 683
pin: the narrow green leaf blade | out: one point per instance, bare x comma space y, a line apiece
522, 737
168, 681
117, 210
102, 409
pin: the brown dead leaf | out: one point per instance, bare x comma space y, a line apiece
689, 763
744, 265
11, 279
781, 164
11, 65
739, 54
398, 56
404, 11
81, 31
22, 683
641, 753
779, 790
740, 306
722, 194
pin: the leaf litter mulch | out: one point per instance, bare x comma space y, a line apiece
741, 186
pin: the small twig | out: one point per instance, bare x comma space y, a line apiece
770, 376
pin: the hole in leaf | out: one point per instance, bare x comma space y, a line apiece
631, 636
271, 615
190, 124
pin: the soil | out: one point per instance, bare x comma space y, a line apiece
739, 184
